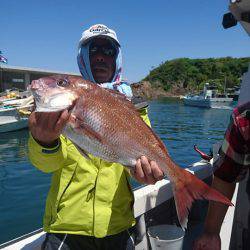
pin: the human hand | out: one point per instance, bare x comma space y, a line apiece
208, 241
146, 171
47, 127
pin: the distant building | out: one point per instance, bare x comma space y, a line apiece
21, 77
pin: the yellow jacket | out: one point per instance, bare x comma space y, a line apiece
86, 197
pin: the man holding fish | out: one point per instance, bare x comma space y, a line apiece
89, 205
86, 145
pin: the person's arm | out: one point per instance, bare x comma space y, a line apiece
216, 210
229, 166
210, 239
47, 151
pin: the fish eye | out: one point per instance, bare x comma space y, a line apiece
62, 83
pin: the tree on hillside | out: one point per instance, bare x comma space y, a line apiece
191, 73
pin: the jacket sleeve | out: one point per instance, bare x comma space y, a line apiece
47, 159
144, 116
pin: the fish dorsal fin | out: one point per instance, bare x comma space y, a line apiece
121, 97
117, 94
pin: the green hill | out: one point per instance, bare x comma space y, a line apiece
191, 74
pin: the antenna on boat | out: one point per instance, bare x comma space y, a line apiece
2, 60
225, 84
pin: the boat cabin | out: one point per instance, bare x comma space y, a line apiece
209, 91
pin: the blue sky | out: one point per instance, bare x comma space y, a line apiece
45, 34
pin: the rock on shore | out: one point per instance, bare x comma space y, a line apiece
146, 90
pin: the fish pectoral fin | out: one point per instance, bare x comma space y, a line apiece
87, 130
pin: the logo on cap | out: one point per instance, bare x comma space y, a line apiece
99, 29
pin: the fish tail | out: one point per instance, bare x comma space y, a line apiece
189, 188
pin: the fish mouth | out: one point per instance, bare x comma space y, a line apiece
54, 103
37, 97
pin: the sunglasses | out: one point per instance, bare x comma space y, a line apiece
107, 49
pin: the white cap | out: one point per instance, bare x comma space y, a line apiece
98, 30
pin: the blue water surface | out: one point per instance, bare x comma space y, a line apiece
23, 188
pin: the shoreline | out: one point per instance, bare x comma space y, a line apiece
145, 90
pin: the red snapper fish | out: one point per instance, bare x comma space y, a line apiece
105, 124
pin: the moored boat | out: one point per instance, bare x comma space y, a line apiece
14, 114
12, 123
234, 92
209, 98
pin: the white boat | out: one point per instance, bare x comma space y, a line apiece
234, 92
208, 98
12, 119
12, 123
13, 102
14, 114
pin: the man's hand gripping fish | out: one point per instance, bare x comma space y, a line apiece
105, 124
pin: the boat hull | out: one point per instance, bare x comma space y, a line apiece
208, 103
196, 103
14, 125
14, 118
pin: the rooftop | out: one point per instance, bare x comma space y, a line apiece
17, 68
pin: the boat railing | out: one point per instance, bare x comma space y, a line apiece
151, 197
